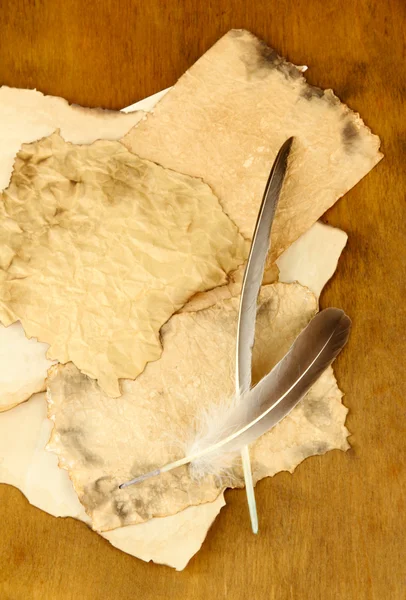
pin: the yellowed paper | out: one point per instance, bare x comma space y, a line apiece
310, 260
172, 540
100, 247
26, 464
313, 258
28, 115
152, 421
228, 115
25, 431
23, 366
224, 292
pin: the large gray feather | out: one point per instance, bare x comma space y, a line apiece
278, 393
261, 408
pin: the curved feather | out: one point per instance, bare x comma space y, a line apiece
261, 408
278, 392
251, 284
254, 270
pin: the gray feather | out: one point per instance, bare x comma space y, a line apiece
261, 408
278, 393
254, 270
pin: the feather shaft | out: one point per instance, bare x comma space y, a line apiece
249, 488
278, 392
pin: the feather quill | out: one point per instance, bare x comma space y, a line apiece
251, 284
229, 428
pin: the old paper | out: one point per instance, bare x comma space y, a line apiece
228, 115
26, 464
203, 300
115, 245
24, 432
172, 540
28, 115
153, 420
23, 366
313, 258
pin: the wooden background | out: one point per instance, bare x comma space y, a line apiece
336, 528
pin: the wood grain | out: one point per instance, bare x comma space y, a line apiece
336, 528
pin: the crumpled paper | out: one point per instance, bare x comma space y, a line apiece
311, 260
99, 248
232, 288
103, 442
26, 464
28, 115
172, 540
228, 115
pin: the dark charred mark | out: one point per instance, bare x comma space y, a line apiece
315, 411
104, 484
268, 54
321, 448
311, 91
266, 57
269, 57
138, 504
75, 437
122, 509
99, 492
59, 211
140, 507
349, 135
68, 430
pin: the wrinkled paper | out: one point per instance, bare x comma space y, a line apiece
227, 117
28, 115
99, 248
25, 431
203, 300
44, 490
312, 260
152, 422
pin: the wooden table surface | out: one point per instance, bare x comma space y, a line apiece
335, 530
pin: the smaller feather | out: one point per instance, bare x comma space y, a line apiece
226, 428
